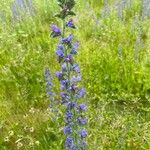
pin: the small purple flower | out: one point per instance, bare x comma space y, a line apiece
70, 24
82, 144
50, 93
48, 78
69, 58
71, 105
64, 97
60, 53
80, 92
64, 67
68, 142
75, 67
82, 107
49, 85
82, 120
49, 90
55, 29
76, 79
74, 147
68, 116
59, 75
67, 130
82, 133
47, 73
67, 39
64, 84
60, 47
74, 48
73, 88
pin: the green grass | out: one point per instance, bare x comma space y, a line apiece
115, 70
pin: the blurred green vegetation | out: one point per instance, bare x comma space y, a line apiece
114, 56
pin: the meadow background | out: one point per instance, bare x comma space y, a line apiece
114, 56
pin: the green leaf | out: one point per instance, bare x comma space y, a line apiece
70, 4
58, 15
61, 3
62, 15
70, 13
53, 35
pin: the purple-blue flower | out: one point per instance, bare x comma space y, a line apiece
74, 147
67, 39
82, 120
49, 90
68, 116
68, 142
50, 93
49, 85
64, 67
73, 88
74, 48
69, 58
55, 29
64, 97
82, 133
70, 24
67, 130
80, 92
47, 73
82, 107
60, 53
64, 84
59, 75
82, 144
76, 78
48, 79
71, 105
60, 47
76, 68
